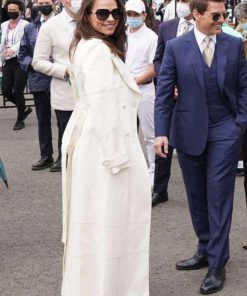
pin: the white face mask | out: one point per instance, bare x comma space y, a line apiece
183, 10
75, 5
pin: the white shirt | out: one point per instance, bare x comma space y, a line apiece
200, 40
69, 20
182, 23
141, 50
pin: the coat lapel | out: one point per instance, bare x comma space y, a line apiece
221, 54
125, 74
195, 58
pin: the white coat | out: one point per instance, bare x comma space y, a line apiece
53, 41
106, 191
18, 33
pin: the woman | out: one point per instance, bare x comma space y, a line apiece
240, 13
106, 192
13, 78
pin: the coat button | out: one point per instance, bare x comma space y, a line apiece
124, 106
115, 170
127, 134
106, 163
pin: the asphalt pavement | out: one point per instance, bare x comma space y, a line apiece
31, 226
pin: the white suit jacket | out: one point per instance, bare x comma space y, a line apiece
51, 57
17, 36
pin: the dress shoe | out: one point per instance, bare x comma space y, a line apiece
159, 198
214, 281
196, 262
44, 163
56, 167
18, 125
26, 113
245, 245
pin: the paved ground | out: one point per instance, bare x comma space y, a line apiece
30, 227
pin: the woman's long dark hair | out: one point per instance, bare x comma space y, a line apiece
84, 30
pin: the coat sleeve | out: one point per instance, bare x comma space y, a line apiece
42, 53
241, 118
107, 113
25, 53
164, 102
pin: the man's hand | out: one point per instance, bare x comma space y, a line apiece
9, 53
161, 146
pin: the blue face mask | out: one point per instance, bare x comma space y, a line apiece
134, 21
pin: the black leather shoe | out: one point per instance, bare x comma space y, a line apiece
196, 262
214, 281
18, 125
26, 113
56, 167
159, 198
44, 163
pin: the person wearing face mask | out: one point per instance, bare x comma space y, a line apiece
168, 30
52, 43
14, 79
142, 43
39, 83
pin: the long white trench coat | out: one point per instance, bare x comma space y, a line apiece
106, 192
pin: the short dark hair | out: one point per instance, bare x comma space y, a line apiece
20, 4
202, 5
84, 29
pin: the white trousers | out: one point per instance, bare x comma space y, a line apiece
146, 119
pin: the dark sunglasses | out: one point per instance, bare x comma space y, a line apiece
216, 16
103, 14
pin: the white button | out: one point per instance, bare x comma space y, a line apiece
127, 134
106, 163
124, 106
115, 170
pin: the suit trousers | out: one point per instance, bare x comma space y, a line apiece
209, 181
62, 120
162, 172
244, 152
43, 112
14, 80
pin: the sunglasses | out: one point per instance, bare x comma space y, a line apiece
103, 14
216, 16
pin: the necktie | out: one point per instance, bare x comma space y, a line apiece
207, 51
185, 28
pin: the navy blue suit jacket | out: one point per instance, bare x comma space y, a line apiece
167, 31
36, 81
186, 124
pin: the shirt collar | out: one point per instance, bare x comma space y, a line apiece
138, 31
68, 18
200, 37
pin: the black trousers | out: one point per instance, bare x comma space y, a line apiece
162, 172
62, 120
14, 80
244, 152
43, 112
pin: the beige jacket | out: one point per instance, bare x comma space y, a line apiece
51, 57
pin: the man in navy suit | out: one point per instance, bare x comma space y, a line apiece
205, 126
168, 30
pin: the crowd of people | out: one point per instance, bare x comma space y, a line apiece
176, 70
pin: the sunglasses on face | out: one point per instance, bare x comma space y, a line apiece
216, 16
103, 14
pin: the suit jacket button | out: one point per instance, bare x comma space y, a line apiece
106, 163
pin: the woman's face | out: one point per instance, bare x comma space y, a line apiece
101, 20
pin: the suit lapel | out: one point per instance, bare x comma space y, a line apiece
221, 55
125, 73
195, 58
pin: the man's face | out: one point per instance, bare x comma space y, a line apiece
205, 22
